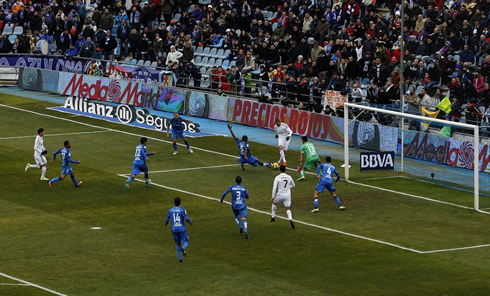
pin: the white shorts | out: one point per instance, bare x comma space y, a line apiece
284, 143
286, 200
40, 159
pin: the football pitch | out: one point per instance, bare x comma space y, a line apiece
101, 239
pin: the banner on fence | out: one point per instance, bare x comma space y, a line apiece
334, 99
142, 74
72, 65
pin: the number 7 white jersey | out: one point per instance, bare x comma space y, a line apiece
282, 185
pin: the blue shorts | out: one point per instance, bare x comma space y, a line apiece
175, 135
180, 237
251, 160
241, 212
322, 185
66, 170
139, 168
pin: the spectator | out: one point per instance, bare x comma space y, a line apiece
107, 20
88, 49
109, 46
173, 56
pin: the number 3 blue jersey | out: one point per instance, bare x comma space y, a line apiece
176, 216
140, 155
327, 170
241, 148
238, 196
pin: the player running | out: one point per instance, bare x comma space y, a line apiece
308, 156
281, 192
177, 215
65, 165
244, 151
39, 155
139, 163
178, 131
325, 173
238, 196
283, 134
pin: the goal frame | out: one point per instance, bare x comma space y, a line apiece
476, 141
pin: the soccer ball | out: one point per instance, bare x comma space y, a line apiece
275, 166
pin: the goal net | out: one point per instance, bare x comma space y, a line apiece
420, 156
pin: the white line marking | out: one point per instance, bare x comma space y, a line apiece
5, 284
31, 284
195, 168
456, 249
53, 135
379, 178
295, 221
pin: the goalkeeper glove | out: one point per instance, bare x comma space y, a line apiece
277, 136
287, 138
44, 152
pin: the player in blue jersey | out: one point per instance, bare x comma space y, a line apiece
325, 173
238, 196
65, 165
244, 151
139, 163
176, 216
178, 131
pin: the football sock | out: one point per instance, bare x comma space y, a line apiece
43, 171
34, 166
337, 200
74, 180
274, 207
290, 215
283, 156
316, 202
303, 173
147, 176
187, 144
245, 225
175, 147
238, 221
179, 252
130, 179
185, 245
55, 180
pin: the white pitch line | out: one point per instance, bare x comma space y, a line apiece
53, 135
6, 284
32, 284
295, 221
456, 249
195, 168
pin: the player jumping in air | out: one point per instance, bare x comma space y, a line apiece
139, 163
238, 196
65, 165
281, 192
244, 151
325, 173
176, 216
178, 131
39, 155
283, 134
308, 158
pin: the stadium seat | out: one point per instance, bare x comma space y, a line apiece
127, 60
439, 84
18, 30
232, 63
117, 52
177, 17
274, 26
219, 44
206, 51
197, 60
147, 63
211, 62
213, 52
278, 63
140, 63
218, 62
162, 23
52, 47
153, 65
198, 51
238, 32
133, 62
226, 54
220, 53
204, 61
12, 38
191, 8
257, 71
226, 64
204, 2
419, 89
8, 30
364, 81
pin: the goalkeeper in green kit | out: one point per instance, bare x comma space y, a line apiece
308, 159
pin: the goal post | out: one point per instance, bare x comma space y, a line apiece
475, 140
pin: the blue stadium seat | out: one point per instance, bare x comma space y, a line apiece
220, 53
219, 44
153, 65
206, 51
114, 31
213, 52
8, 30
140, 63
127, 60
147, 63
198, 50
419, 89
133, 62
278, 63
18, 30
197, 60
226, 64
12, 38
211, 62
204, 62
177, 17
218, 62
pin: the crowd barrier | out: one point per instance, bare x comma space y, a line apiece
426, 147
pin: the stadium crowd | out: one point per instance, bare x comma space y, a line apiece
295, 50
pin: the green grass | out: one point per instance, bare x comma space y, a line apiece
46, 236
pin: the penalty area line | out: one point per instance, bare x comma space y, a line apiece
31, 284
54, 135
193, 168
456, 249
284, 218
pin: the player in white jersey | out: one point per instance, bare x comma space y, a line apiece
281, 192
283, 134
39, 155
